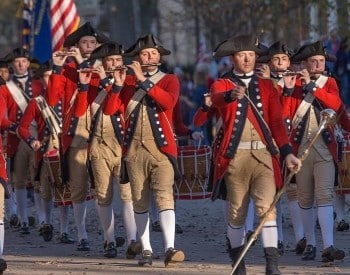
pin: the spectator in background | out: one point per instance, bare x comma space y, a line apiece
341, 71
202, 82
186, 89
211, 64
332, 44
224, 65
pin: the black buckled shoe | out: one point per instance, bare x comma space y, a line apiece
14, 221
309, 253
300, 247
83, 245
119, 241
47, 232
235, 253
156, 226
64, 238
228, 245
110, 251
178, 229
342, 226
134, 248
173, 256
146, 258
3, 266
280, 247
272, 254
31, 221
24, 229
331, 253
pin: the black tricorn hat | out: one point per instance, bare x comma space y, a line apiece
107, 49
312, 49
238, 44
3, 63
34, 64
84, 30
276, 48
144, 42
17, 53
44, 67
263, 57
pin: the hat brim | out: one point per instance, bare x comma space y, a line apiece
107, 49
227, 48
135, 51
263, 59
303, 56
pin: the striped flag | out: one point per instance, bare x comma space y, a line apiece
43, 19
64, 20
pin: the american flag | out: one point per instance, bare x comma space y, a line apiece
42, 19
64, 20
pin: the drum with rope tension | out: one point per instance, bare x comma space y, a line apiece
193, 163
61, 191
344, 167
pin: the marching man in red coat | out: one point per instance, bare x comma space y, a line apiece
3, 187
147, 101
49, 128
310, 94
247, 159
63, 85
17, 92
104, 151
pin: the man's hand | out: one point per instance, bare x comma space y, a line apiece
196, 135
207, 100
119, 77
305, 77
238, 92
263, 71
289, 81
59, 58
35, 144
85, 77
293, 163
75, 52
100, 71
136, 67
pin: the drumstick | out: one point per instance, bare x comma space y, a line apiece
200, 141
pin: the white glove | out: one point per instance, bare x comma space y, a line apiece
196, 135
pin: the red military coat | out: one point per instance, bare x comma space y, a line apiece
14, 114
265, 97
33, 113
343, 119
325, 97
180, 128
3, 173
62, 86
203, 114
161, 98
87, 96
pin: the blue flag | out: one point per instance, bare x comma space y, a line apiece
41, 47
